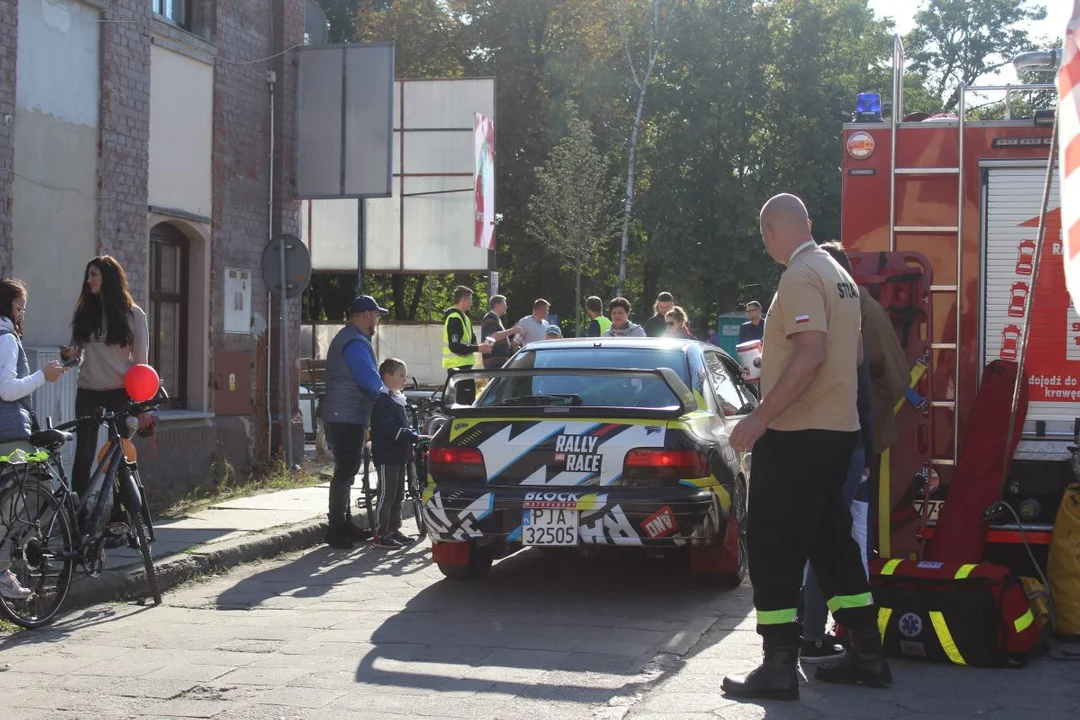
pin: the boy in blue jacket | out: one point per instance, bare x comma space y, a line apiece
392, 442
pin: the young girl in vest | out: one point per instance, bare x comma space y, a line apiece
108, 337
17, 384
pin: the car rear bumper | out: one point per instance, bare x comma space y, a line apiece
635, 517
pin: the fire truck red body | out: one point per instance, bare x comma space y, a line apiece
955, 205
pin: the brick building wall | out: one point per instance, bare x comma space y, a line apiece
123, 167
247, 38
9, 36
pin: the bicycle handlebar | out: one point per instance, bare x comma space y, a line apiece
102, 415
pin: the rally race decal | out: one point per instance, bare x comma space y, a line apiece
557, 452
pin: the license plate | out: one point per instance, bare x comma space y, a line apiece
549, 526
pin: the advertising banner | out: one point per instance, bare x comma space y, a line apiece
484, 181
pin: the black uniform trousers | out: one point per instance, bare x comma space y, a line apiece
796, 513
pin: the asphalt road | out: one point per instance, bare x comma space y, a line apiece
371, 634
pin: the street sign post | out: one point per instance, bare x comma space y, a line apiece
286, 270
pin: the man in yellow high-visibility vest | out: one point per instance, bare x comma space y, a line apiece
459, 349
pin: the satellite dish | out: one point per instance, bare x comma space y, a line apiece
316, 27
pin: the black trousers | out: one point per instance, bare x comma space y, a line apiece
466, 389
347, 443
797, 512
86, 403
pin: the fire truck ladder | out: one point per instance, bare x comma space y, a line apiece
954, 231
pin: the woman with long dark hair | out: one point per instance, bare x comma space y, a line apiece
108, 337
17, 384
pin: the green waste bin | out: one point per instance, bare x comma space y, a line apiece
727, 327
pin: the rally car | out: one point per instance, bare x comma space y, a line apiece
578, 443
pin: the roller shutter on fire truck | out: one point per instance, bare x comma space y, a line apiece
1013, 198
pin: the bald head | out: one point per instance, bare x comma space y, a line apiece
785, 225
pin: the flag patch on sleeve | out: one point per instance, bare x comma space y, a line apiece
800, 319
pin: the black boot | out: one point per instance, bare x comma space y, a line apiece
354, 532
776, 678
337, 535
863, 664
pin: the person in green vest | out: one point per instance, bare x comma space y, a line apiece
598, 324
459, 347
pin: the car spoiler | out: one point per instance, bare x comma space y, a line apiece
682, 394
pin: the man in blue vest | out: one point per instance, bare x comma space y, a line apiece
352, 386
459, 347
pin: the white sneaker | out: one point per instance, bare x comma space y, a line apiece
11, 588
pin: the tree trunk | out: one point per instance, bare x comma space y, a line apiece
628, 206
416, 296
577, 300
399, 296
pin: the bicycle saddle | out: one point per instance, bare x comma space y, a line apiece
50, 437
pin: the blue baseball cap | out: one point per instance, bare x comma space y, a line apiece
366, 303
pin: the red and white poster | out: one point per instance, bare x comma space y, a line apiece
484, 181
1068, 82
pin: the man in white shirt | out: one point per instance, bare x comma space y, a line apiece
534, 327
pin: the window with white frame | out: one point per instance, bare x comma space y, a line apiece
177, 12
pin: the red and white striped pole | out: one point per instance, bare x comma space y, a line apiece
1068, 83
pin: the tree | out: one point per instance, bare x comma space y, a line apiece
571, 208
958, 41
424, 34
657, 23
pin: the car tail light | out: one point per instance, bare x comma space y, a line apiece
664, 465
456, 463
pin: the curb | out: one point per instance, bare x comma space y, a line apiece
129, 582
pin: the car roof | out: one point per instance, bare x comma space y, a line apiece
624, 342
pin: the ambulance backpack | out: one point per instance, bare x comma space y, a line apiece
974, 615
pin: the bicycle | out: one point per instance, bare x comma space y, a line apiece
46, 538
426, 419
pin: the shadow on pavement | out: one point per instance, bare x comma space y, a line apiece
70, 624
547, 626
318, 572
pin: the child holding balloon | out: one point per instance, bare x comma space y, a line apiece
108, 337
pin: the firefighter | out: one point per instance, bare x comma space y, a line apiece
803, 434
458, 350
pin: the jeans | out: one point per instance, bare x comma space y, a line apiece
815, 611
347, 442
86, 403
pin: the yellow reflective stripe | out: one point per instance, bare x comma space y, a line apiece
964, 571
890, 567
884, 508
1023, 622
846, 602
883, 615
945, 638
776, 617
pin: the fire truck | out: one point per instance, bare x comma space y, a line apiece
940, 216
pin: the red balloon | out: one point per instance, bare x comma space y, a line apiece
141, 383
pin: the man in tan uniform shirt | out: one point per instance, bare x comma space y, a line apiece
803, 433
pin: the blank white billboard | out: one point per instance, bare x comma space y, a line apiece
433, 165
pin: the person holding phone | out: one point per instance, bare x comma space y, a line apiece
17, 384
108, 337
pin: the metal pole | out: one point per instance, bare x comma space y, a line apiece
361, 247
283, 300
1028, 300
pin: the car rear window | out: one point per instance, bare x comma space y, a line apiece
589, 390
607, 357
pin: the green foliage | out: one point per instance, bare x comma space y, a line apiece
747, 99
571, 212
962, 41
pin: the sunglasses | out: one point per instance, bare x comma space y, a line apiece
671, 323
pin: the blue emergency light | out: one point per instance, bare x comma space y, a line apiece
868, 107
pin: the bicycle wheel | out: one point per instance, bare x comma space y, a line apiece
133, 506
42, 552
416, 490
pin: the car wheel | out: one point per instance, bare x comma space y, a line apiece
710, 556
480, 560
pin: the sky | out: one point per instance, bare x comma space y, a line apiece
903, 13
